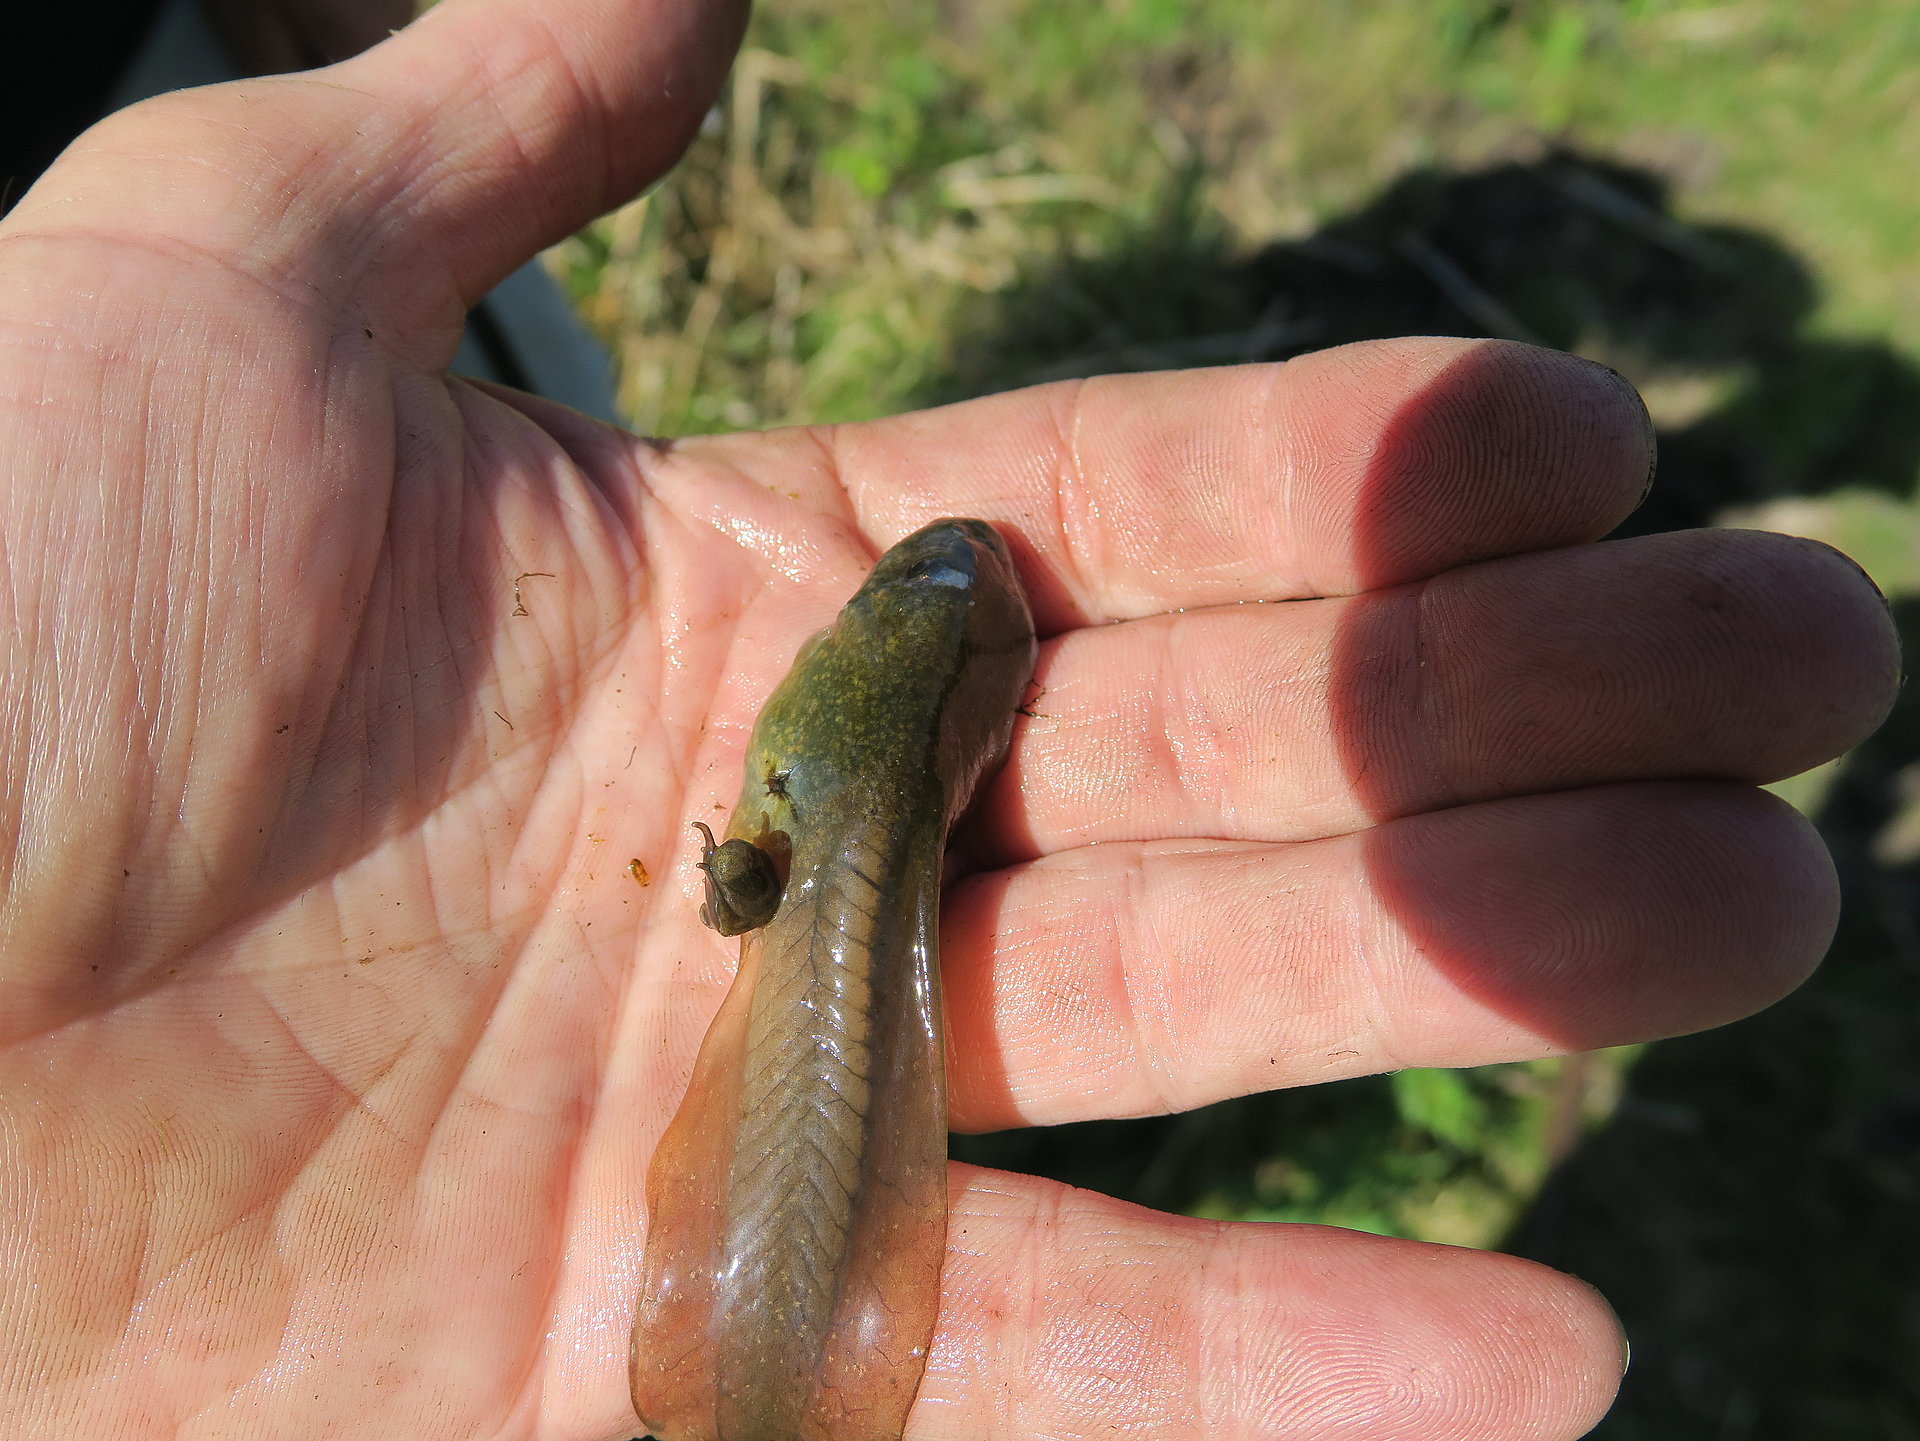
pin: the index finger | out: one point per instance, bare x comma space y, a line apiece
1342, 471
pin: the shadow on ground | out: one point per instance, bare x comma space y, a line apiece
1567, 251
1749, 1205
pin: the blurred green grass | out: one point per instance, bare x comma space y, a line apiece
906, 201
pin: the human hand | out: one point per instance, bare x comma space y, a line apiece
338, 695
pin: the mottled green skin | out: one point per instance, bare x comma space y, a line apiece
825, 1276
901, 706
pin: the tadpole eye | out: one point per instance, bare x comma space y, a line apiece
935, 571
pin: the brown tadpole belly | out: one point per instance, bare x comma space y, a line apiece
797, 1205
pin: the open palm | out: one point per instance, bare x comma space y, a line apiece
336, 1026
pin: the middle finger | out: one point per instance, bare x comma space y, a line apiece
1725, 654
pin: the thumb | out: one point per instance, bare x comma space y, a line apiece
519, 122
411, 178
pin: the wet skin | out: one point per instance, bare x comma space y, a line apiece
797, 1203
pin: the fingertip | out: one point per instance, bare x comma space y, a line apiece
1451, 1344
1612, 914
1844, 620
1497, 448
1765, 902
1566, 1342
1457, 1342
1784, 861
